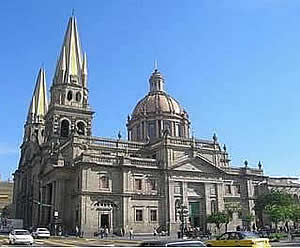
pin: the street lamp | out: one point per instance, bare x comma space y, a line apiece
183, 213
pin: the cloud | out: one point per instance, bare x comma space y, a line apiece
6, 149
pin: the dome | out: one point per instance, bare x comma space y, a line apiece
157, 112
157, 103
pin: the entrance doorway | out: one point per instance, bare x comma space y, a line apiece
194, 214
105, 220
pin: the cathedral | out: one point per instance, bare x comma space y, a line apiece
68, 177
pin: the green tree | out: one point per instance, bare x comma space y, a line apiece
296, 214
218, 218
277, 204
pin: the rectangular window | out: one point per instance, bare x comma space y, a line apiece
227, 189
238, 189
152, 183
138, 184
138, 134
178, 130
177, 188
153, 214
104, 182
151, 129
138, 215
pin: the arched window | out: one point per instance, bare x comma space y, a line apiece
78, 96
69, 96
64, 129
80, 128
213, 206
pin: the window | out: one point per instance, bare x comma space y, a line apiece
153, 214
167, 126
138, 184
178, 130
138, 215
80, 128
151, 129
152, 183
228, 189
213, 206
104, 182
238, 189
177, 188
64, 130
138, 135
213, 190
78, 96
69, 95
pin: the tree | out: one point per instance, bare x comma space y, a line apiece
218, 219
277, 204
296, 214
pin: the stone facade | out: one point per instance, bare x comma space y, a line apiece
68, 177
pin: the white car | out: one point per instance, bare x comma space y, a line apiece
20, 236
41, 232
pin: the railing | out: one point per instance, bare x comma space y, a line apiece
106, 142
197, 143
112, 160
145, 161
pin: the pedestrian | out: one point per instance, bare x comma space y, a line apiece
238, 228
123, 231
77, 231
106, 231
154, 231
131, 233
101, 232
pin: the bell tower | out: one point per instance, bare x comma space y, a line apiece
69, 111
35, 124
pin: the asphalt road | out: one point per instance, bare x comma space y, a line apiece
114, 241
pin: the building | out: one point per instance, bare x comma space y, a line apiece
68, 177
6, 196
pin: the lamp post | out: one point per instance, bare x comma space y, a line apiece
183, 213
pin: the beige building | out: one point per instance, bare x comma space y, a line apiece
6, 195
67, 176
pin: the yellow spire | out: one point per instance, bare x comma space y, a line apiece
39, 103
70, 59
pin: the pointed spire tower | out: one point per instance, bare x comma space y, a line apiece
37, 110
69, 111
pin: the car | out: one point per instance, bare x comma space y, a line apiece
174, 243
41, 232
244, 239
20, 236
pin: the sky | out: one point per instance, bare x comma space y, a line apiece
233, 65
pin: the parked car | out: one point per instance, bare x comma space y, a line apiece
244, 239
41, 232
20, 236
176, 243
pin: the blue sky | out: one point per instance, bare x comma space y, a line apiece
233, 65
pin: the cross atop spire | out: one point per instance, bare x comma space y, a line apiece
39, 103
70, 62
155, 65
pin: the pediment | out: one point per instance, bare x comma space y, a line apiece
196, 164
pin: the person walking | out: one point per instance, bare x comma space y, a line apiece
77, 231
131, 233
106, 231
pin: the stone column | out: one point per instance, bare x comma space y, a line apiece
220, 197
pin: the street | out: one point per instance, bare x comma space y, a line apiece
113, 241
